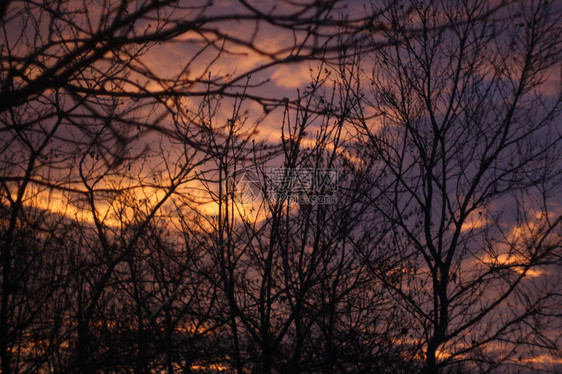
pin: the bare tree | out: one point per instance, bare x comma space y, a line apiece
296, 296
127, 239
468, 146
80, 97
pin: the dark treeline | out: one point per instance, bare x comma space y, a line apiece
145, 226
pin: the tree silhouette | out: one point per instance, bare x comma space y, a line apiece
148, 226
467, 141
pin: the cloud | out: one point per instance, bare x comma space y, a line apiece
292, 76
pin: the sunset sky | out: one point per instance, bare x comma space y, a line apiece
151, 218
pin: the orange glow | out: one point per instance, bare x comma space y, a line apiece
474, 221
292, 76
544, 359
514, 261
207, 367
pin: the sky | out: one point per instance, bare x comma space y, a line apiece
190, 55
